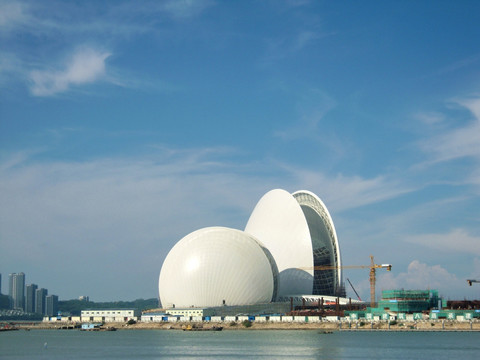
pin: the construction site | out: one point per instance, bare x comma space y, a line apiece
394, 304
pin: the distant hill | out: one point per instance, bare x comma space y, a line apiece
74, 307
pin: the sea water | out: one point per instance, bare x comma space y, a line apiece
237, 344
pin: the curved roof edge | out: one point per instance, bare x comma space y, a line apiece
319, 206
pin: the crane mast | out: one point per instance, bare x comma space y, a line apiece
372, 282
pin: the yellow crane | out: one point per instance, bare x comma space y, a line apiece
373, 267
471, 281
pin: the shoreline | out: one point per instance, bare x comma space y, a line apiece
424, 326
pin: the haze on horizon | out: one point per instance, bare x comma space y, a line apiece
124, 126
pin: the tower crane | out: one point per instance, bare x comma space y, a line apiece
373, 267
471, 281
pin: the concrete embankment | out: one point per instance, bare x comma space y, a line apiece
323, 326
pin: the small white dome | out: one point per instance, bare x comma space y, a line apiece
214, 265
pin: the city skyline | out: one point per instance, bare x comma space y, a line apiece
29, 298
125, 126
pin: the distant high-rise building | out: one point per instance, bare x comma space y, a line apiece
40, 295
10, 289
17, 290
51, 305
30, 298
0, 284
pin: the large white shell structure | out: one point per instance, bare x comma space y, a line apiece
279, 222
217, 266
299, 232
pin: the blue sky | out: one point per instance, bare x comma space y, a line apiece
124, 126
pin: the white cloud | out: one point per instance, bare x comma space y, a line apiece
420, 276
456, 241
459, 142
85, 66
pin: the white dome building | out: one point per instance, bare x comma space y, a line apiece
286, 236
217, 266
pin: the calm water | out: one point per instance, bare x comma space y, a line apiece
236, 344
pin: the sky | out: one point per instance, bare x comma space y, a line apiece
124, 126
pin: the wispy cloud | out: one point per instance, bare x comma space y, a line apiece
185, 8
460, 64
67, 25
430, 118
117, 205
152, 192
297, 3
311, 111
120, 204
85, 66
289, 45
11, 67
474, 179
307, 38
12, 14
114, 19
456, 241
341, 192
459, 142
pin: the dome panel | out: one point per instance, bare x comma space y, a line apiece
217, 265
